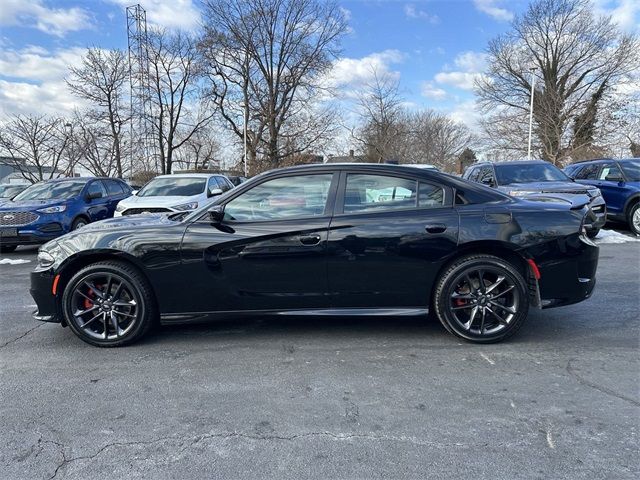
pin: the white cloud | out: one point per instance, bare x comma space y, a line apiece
349, 74
492, 8
469, 67
626, 13
467, 113
35, 14
182, 14
32, 80
412, 12
429, 90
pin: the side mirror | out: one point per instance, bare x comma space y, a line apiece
614, 178
216, 213
93, 195
213, 192
134, 192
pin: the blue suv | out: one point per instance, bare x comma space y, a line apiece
49, 209
619, 182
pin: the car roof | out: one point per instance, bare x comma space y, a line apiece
80, 179
190, 175
511, 162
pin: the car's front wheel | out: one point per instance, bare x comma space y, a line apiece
481, 298
79, 223
634, 218
109, 304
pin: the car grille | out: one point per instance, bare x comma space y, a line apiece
135, 211
571, 192
16, 219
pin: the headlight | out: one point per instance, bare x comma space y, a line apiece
522, 193
56, 209
186, 206
120, 207
45, 260
595, 192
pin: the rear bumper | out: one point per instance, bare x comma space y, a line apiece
42, 292
569, 275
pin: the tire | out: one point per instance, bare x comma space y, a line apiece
471, 309
8, 248
593, 233
79, 223
633, 218
122, 292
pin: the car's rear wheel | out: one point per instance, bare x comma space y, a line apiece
481, 298
109, 304
8, 248
634, 218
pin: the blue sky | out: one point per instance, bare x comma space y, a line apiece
434, 47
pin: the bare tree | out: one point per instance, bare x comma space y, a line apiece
178, 112
200, 151
382, 117
35, 145
102, 81
578, 58
265, 62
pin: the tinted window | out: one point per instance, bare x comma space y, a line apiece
529, 173
168, 186
377, 192
222, 184
588, 172
114, 187
51, 190
631, 170
288, 197
610, 170
429, 195
97, 187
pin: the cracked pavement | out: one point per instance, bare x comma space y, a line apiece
327, 398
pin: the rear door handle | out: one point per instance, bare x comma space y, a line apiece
435, 228
310, 240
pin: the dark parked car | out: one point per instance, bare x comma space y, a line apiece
538, 180
236, 179
323, 240
49, 209
619, 182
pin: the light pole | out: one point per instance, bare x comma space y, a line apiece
71, 149
245, 121
533, 81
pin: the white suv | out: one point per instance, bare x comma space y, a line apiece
174, 193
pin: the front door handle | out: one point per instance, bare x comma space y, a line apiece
435, 228
310, 240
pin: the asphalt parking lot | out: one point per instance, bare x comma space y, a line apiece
328, 398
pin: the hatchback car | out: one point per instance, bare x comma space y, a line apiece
323, 240
538, 180
52, 208
619, 182
174, 193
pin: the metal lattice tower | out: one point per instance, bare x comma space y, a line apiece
143, 147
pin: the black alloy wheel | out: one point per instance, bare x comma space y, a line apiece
109, 304
481, 298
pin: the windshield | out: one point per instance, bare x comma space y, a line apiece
529, 173
50, 190
179, 186
8, 191
631, 170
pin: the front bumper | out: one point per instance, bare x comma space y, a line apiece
34, 234
42, 292
568, 271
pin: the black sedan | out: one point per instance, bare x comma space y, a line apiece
323, 240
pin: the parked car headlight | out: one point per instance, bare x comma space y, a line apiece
595, 192
56, 209
45, 260
186, 206
120, 207
522, 193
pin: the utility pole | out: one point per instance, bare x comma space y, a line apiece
533, 81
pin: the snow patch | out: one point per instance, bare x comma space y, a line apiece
611, 236
13, 261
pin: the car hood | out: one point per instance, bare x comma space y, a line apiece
548, 187
133, 222
155, 202
28, 205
